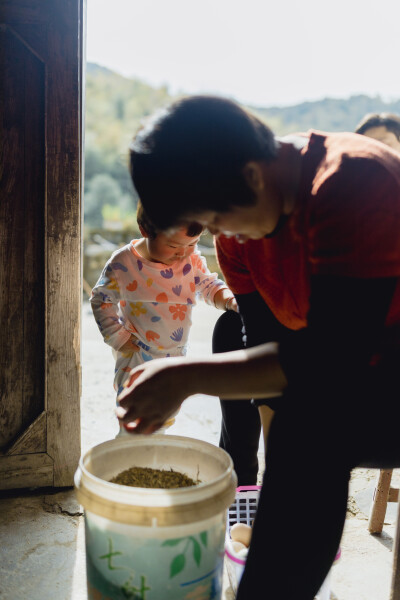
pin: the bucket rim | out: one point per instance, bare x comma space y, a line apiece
174, 492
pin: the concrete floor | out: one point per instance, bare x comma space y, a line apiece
42, 534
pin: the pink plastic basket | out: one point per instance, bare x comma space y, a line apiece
243, 510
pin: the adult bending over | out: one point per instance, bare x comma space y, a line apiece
245, 267
339, 196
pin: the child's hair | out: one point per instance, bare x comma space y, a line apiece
192, 229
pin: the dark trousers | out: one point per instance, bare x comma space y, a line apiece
240, 427
312, 448
336, 414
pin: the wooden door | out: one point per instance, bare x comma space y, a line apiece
40, 241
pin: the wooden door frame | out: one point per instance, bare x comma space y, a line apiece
47, 452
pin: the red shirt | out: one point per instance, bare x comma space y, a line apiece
346, 222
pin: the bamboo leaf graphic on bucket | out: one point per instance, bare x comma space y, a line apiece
179, 561
172, 542
177, 565
196, 551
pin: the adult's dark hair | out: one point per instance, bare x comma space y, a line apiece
190, 158
192, 229
388, 120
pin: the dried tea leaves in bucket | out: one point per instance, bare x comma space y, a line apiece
146, 477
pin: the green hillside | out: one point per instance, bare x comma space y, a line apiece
329, 114
115, 106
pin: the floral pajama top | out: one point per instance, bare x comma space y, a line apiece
151, 301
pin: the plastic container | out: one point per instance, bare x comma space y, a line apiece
243, 510
151, 544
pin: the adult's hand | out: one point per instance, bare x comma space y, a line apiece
156, 389
153, 394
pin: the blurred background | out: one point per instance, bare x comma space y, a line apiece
297, 65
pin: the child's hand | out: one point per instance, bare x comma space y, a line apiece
225, 300
129, 347
153, 393
231, 304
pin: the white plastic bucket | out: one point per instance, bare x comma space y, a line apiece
155, 544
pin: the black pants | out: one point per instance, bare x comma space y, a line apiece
337, 413
302, 506
240, 427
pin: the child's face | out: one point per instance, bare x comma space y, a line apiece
167, 249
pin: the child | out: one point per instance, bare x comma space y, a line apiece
143, 299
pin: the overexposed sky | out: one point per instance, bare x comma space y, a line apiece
260, 52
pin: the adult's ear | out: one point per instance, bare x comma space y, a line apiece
253, 175
143, 232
